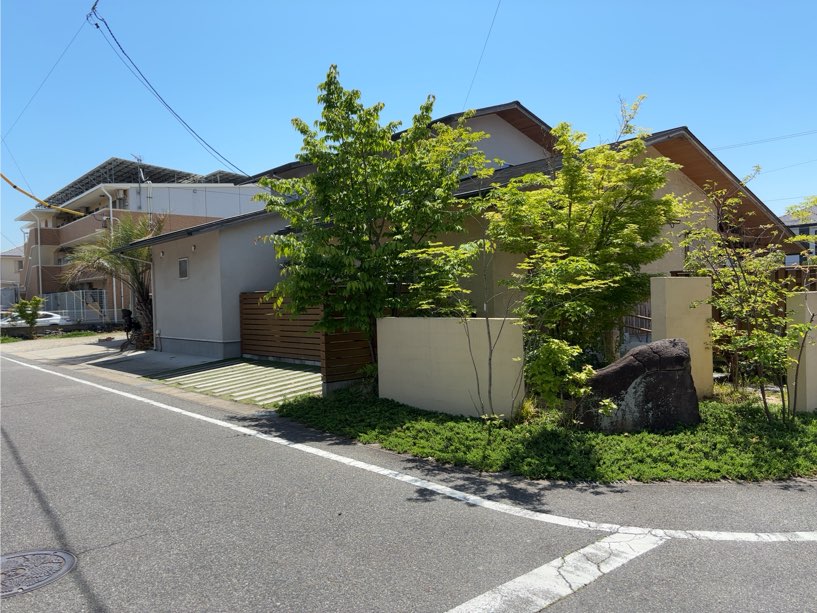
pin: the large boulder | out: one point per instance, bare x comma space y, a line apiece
651, 387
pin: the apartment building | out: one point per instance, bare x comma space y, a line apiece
100, 197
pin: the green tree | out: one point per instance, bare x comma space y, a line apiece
133, 268
585, 230
752, 328
376, 200
28, 311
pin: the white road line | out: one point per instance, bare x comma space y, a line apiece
705, 535
563, 576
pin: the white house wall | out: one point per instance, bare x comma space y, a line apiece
506, 142
247, 265
187, 312
200, 315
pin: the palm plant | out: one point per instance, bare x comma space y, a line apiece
132, 268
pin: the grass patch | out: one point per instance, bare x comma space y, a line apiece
9, 339
734, 441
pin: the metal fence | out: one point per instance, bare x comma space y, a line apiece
89, 305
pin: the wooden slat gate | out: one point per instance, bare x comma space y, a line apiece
264, 334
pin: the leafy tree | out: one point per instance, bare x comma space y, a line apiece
752, 328
376, 200
28, 311
584, 230
133, 268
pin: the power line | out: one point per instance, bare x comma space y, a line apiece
764, 172
37, 91
766, 140
140, 76
484, 46
790, 198
20, 170
13, 243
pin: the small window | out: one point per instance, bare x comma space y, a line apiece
182, 268
19, 264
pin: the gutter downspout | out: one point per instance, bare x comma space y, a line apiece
39, 260
113, 277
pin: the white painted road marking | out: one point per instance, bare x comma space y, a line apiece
546, 584
568, 522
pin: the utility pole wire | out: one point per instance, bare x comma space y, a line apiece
765, 140
37, 91
479, 62
14, 159
140, 76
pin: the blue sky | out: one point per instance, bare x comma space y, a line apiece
734, 72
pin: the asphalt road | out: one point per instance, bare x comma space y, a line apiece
167, 512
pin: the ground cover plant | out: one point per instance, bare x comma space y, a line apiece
734, 441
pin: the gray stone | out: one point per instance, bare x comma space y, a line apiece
651, 387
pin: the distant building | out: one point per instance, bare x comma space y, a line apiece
807, 226
114, 189
11, 265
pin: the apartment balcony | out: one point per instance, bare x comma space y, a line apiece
76, 231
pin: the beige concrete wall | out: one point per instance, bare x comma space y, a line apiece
680, 185
505, 142
426, 363
674, 316
801, 307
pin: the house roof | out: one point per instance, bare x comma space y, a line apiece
682, 147
117, 170
14, 252
790, 220
210, 226
515, 113
679, 144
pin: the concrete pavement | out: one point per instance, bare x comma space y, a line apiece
135, 456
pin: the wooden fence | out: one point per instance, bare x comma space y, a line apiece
341, 355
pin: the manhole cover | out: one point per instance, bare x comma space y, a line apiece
28, 570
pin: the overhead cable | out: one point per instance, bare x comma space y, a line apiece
40, 86
94, 18
479, 62
765, 140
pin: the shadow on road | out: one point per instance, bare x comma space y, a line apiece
63, 542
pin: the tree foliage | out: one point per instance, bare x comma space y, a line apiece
133, 268
360, 224
584, 229
752, 329
28, 311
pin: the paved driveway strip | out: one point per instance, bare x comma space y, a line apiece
546, 584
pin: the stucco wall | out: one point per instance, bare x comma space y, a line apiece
188, 309
247, 265
675, 314
426, 363
506, 142
9, 271
801, 307
200, 315
681, 185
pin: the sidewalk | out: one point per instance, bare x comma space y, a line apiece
101, 351
235, 386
